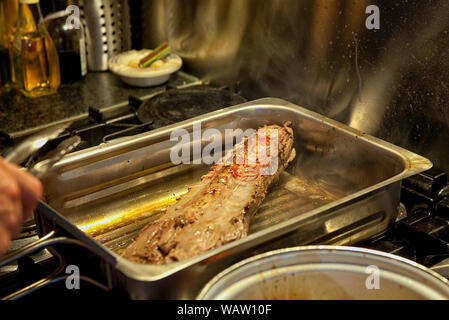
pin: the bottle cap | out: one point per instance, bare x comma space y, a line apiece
29, 1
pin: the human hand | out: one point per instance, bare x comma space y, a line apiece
19, 194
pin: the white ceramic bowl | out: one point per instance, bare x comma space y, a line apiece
143, 77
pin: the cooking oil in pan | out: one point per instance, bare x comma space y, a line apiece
289, 197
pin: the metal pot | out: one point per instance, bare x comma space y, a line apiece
326, 272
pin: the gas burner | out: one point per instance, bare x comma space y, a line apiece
177, 105
171, 106
138, 116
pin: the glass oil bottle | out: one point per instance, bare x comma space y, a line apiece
36, 64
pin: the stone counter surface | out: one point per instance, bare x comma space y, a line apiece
98, 89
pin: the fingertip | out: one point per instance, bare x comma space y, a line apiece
13, 221
27, 181
36, 187
31, 184
32, 192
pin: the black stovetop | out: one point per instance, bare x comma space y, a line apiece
421, 232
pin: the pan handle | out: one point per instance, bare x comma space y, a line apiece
43, 242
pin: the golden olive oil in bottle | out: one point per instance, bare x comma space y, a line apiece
36, 64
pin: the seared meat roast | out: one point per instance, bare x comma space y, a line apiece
216, 210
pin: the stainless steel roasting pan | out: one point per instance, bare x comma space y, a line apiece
343, 187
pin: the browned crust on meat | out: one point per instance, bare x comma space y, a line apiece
215, 211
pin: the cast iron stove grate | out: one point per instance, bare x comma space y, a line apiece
421, 235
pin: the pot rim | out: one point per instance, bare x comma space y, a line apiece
389, 258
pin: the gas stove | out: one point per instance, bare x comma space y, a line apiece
421, 232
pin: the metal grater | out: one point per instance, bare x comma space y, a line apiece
108, 30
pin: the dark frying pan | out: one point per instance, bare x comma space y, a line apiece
176, 105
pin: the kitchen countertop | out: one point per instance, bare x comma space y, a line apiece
20, 115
